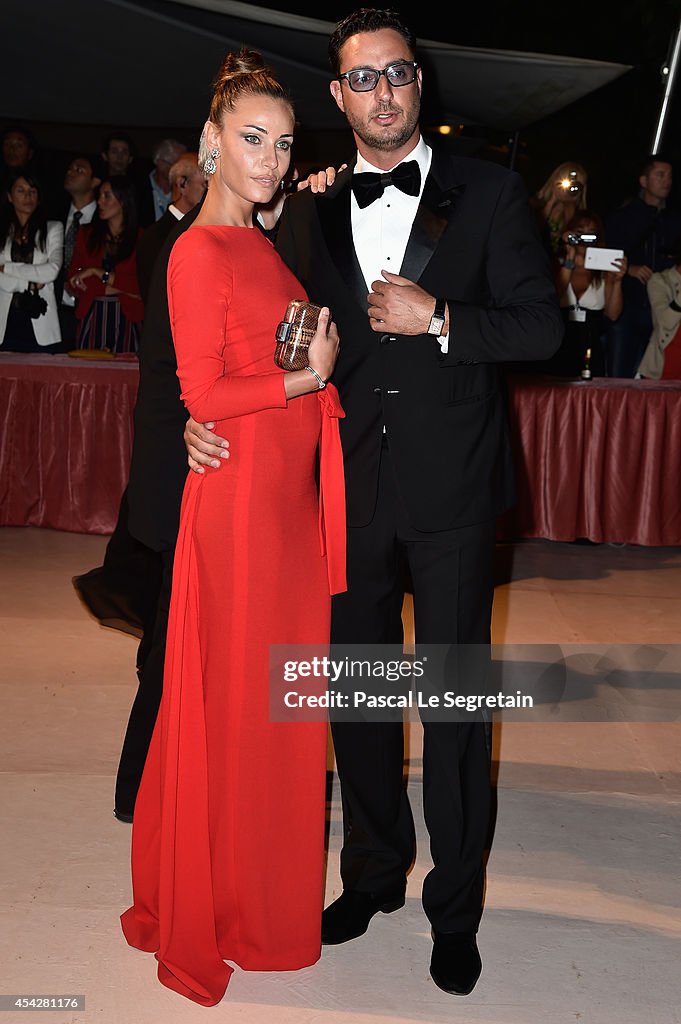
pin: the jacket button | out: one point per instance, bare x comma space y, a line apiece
387, 338
377, 391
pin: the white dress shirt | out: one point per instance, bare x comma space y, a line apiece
160, 198
381, 230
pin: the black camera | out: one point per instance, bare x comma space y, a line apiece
585, 239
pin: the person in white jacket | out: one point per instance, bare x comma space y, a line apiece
31, 255
664, 293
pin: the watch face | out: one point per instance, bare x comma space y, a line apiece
436, 325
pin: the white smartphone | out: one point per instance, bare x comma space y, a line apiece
602, 259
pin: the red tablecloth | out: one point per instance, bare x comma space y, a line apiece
65, 440
597, 459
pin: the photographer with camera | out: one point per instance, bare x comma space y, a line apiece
588, 297
31, 254
556, 203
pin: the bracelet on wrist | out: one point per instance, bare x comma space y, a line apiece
321, 383
567, 264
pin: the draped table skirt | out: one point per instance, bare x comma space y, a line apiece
597, 460
65, 440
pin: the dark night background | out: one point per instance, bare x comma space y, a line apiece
609, 132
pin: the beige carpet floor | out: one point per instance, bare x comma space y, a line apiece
583, 906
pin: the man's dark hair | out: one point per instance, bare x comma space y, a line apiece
119, 137
366, 19
88, 159
18, 129
653, 158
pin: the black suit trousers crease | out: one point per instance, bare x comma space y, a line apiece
144, 711
453, 584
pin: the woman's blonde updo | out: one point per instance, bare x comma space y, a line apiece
242, 73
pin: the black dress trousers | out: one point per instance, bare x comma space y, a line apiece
452, 580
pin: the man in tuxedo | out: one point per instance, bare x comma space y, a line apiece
435, 273
187, 184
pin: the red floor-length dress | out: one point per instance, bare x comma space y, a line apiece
228, 834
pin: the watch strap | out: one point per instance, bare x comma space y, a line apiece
437, 321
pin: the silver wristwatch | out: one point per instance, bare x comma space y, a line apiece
437, 321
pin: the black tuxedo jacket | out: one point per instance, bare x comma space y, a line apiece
158, 467
474, 243
148, 248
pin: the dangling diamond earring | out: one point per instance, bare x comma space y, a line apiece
210, 165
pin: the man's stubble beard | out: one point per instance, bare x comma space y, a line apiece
386, 141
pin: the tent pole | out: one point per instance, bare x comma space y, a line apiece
669, 71
514, 148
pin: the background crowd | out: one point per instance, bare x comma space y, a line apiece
76, 255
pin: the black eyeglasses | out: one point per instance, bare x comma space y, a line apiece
366, 79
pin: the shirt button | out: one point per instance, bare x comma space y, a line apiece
377, 391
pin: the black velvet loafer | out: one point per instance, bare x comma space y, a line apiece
455, 965
349, 915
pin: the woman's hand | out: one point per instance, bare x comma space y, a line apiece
621, 263
570, 250
321, 354
77, 281
323, 351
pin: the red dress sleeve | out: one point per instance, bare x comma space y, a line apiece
199, 294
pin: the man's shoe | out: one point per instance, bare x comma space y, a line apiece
349, 915
455, 965
122, 816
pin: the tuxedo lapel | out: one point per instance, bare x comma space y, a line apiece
440, 195
435, 210
336, 224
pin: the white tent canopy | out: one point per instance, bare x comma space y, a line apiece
143, 63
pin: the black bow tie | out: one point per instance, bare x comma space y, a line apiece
369, 186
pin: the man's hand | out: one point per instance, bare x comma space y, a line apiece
400, 306
319, 180
203, 447
640, 272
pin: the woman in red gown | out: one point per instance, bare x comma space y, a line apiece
228, 833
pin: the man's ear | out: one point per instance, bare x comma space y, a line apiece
96, 182
337, 93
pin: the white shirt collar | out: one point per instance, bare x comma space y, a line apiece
87, 211
175, 212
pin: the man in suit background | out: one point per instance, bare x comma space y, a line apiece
154, 192
457, 282
188, 185
80, 184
